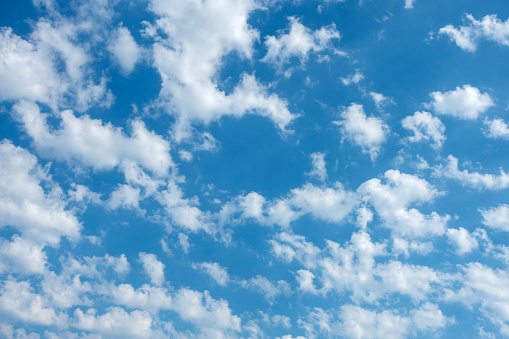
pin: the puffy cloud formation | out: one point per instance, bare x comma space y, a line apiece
188, 62
497, 128
464, 102
40, 216
467, 37
298, 43
473, 179
496, 217
125, 50
153, 267
369, 133
92, 143
426, 128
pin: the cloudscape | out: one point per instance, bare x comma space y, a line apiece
254, 169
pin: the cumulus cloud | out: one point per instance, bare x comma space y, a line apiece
40, 216
369, 133
393, 199
425, 128
496, 217
473, 179
353, 78
463, 240
464, 102
189, 60
20, 255
497, 128
124, 49
409, 4
298, 43
357, 322
92, 143
269, 289
152, 267
467, 37
318, 162
216, 272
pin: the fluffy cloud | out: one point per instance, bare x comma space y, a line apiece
357, 322
216, 272
153, 268
213, 317
18, 301
92, 143
189, 60
367, 132
425, 128
26, 72
124, 49
465, 102
269, 289
319, 170
464, 241
497, 128
353, 78
409, 4
392, 202
20, 255
39, 216
299, 42
116, 322
497, 217
490, 27
473, 179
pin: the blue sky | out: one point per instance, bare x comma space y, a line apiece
254, 169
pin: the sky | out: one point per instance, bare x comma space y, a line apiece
254, 169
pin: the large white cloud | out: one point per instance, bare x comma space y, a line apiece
497, 128
425, 128
393, 199
189, 60
153, 268
467, 37
497, 217
299, 42
40, 216
472, 179
369, 133
92, 143
464, 102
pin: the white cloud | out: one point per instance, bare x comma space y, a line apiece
92, 143
288, 247
392, 202
148, 298
369, 133
184, 242
473, 179
305, 279
465, 102
380, 100
353, 78
20, 255
319, 170
489, 27
463, 240
497, 128
409, 4
116, 322
26, 72
425, 128
17, 301
39, 216
95, 267
269, 289
182, 210
125, 196
357, 322
299, 42
152, 267
211, 316
496, 217
189, 60
216, 272
403, 246
488, 288
124, 49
